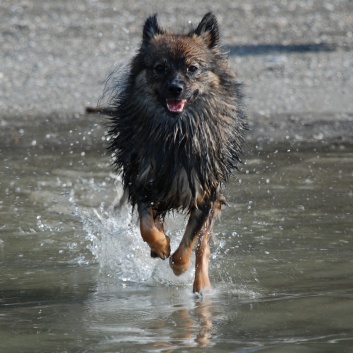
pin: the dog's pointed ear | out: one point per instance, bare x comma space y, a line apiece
208, 29
151, 29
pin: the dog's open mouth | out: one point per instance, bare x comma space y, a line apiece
176, 105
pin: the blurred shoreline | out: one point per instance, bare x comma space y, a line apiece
294, 58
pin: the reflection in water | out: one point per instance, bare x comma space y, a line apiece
196, 324
203, 312
192, 326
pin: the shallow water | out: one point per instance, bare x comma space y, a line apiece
76, 276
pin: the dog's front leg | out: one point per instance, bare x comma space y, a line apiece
180, 260
152, 232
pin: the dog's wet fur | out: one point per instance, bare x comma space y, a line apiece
177, 126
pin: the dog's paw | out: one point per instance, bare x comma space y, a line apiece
202, 284
177, 265
160, 249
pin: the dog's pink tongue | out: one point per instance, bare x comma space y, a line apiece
176, 105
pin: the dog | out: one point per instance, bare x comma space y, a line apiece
177, 125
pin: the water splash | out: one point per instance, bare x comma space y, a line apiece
122, 255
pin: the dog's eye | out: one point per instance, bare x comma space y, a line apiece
159, 68
192, 68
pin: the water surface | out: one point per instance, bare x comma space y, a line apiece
76, 276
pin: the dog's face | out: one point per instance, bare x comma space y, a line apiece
179, 69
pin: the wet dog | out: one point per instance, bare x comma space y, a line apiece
177, 126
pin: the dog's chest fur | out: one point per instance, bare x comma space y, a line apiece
173, 187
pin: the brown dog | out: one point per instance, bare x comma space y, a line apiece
177, 125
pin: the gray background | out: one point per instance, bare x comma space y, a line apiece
294, 57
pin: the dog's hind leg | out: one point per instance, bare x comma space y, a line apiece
202, 281
152, 232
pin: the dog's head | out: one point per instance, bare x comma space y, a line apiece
180, 68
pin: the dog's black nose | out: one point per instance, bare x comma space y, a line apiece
176, 88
